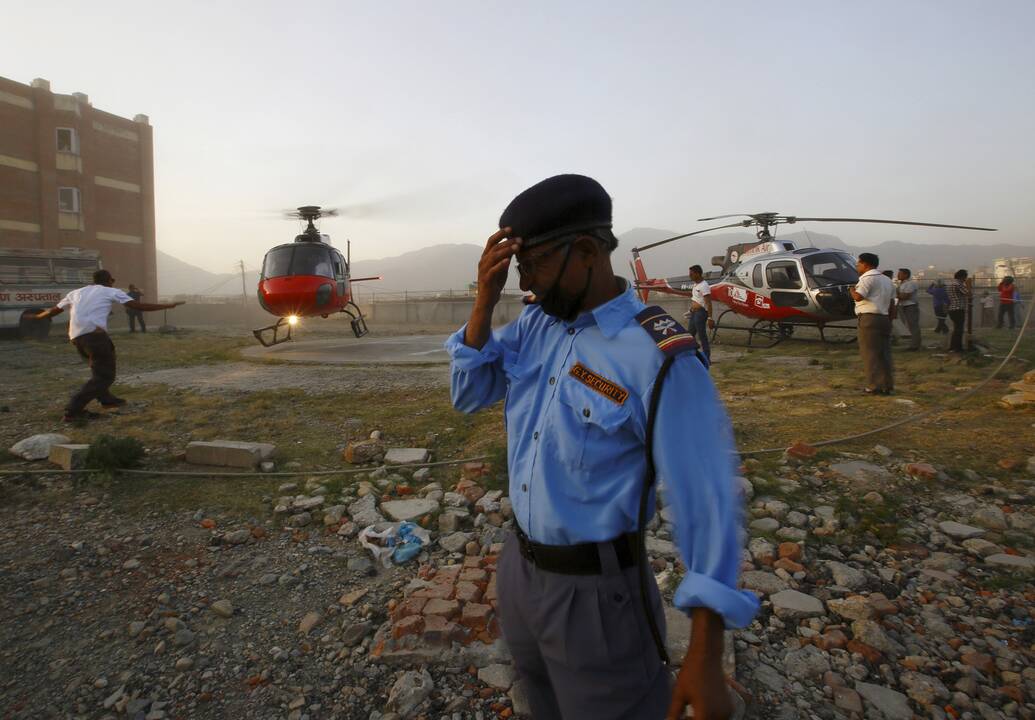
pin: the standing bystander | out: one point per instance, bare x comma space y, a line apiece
1007, 290
874, 295
908, 307
959, 298
700, 312
940, 299
133, 314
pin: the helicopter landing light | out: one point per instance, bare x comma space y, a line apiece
292, 319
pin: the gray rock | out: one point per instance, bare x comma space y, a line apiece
1022, 521
300, 519
855, 607
359, 564
453, 499
37, 447
238, 537
658, 547
333, 514
354, 633
761, 549
776, 508
765, 525
989, 517
770, 677
959, 531
796, 519
747, 490
924, 689
406, 456
892, 705
1011, 562
307, 503
859, 470
981, 547
806, 662
222, 608
765, 583
455, 542
871, 633
497, 675
364, 511
942, 561
794, 605
409, 691
791, 534
409, 509
847, 576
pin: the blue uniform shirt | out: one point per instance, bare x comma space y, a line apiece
576, 400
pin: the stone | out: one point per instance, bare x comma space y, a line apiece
497, 676
37, 447
922, 471
855, 607
924, 689
882, 450
1011, 562
307, 503
801, 451
776, 508
959, 531
989, 517
794, 605
789, 550
871, 633
871, 498
891, 704
448, 609
229, 453
475, 615
69, 456
848, 700
770, 677
222, 608
299, 520
364, 511
806, 662
761, 550
351, 598
409, 509
1022, 521
131, 564
658, 547
764, 583
354, 633
847, 576
407, 456
309, 621
747, 490
859, 470
765, 525
454, 542
410, 690
362, 452
333, 514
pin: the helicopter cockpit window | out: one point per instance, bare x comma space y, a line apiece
783, 275
828, 269
277, 263
756, 275
312, 260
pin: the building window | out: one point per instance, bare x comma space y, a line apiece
68, 199
68, 140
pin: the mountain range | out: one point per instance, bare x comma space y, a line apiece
453, 266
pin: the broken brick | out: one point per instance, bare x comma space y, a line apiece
409, 606
411, 625
446, 608
476, 616
474, 575
468, 592
438, 630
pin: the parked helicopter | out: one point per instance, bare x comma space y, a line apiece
771, 281
305, 278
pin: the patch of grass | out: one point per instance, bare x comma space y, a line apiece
108, 454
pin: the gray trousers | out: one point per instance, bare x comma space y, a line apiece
875, 350
910, 315
581, 643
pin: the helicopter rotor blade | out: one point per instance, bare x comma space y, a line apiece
792, 219
723, 217
741, 224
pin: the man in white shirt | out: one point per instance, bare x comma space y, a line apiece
699, 315
873, 295
88, 331
908, 307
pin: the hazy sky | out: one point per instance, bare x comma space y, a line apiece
920, 110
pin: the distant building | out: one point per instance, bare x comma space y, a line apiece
1018, 267
75, 176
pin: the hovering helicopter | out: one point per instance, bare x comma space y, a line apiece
771, 281
305, 278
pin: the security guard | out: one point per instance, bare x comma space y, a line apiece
576, 371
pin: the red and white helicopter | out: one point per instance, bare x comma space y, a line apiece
771, 281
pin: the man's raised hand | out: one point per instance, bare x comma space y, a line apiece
494, 266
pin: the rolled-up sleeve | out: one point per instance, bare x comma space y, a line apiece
693, 454
477, 379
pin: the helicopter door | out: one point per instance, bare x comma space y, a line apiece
784, 280
340, 273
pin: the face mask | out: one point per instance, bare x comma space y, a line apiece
564, 307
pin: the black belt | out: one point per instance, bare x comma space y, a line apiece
580, 559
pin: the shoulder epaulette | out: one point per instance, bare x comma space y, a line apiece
667, 334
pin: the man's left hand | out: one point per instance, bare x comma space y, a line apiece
702, 686
711, 324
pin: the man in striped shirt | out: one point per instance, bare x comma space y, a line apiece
959, 298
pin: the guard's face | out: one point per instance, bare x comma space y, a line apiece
538, 268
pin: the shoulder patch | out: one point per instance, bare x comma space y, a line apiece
668, 335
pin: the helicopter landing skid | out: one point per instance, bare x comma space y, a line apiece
359, 323
768, 333
274, 331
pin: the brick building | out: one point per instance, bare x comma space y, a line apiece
75, 176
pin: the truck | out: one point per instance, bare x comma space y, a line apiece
32, 280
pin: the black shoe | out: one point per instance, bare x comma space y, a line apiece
81, 415
114, 402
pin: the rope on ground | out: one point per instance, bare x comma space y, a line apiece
195, 473
919, 416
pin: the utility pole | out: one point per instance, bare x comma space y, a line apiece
244, 292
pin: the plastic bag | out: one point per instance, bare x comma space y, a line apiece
400, 542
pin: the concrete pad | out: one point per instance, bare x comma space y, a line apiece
69, 456
229, 453
402, 350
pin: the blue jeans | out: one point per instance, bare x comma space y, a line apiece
699, 329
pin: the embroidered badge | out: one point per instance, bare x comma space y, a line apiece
668, 335
614, 393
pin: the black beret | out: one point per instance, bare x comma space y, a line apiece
560, 205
